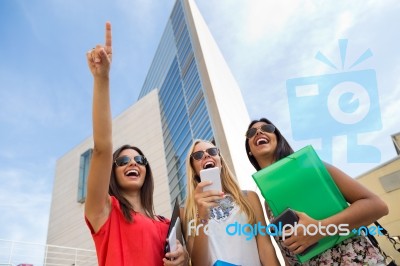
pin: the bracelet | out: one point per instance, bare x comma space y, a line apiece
202, 221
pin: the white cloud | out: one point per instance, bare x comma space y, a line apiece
389, 104
264, 42
25, 203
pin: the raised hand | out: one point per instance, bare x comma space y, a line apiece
207, 199
99, 58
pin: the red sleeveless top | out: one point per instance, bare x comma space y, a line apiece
120, 243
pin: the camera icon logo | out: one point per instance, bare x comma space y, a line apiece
339, 104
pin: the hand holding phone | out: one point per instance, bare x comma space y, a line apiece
213, 175
290, 217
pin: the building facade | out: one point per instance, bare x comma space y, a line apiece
199, 98
66, 224
189, 93
384, 180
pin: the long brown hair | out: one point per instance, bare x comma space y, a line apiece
146, 191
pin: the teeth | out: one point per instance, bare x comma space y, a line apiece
132, 173
208, 165
262, 141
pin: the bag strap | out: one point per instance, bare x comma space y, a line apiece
389, 261
392, 240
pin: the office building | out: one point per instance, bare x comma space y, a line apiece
384, 180
189, 93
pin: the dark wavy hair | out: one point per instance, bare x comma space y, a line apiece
146, 191
283, 148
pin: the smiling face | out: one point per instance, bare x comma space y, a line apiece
131, 175
207, 160
263, 145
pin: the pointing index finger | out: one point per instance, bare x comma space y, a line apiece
108, 44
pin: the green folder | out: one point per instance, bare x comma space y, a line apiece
301, 182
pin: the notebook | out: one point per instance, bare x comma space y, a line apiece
175, 228
301, 182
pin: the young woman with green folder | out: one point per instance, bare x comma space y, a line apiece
265, 145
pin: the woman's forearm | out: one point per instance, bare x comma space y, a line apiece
199, 252
102, 120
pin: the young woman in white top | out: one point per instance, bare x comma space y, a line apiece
222, 212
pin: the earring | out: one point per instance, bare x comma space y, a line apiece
250, 153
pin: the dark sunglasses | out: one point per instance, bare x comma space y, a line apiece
124, 160
267, 128
198, 155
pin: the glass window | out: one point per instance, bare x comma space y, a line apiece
83, 174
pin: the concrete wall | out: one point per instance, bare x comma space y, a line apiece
140, 125
385, 182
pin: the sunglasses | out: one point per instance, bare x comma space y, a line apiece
198, 155
267, 128
124, 160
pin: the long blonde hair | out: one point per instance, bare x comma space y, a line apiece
229, 185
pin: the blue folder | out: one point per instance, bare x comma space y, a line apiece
223, 263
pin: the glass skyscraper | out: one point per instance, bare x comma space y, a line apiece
189, 93
186, 113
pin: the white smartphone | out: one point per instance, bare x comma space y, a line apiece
213, 175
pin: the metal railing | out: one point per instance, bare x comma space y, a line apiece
13, 253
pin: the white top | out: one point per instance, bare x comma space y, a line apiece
227, 239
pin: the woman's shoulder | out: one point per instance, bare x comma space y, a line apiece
252, 198
250, 194
162, 219
114, 203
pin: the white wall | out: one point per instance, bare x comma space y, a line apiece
140, 125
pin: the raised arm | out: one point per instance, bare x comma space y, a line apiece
97, 205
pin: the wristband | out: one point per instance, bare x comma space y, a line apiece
202, 220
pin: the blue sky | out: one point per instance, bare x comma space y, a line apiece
45, 85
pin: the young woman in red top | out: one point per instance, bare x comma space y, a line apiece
119, 208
